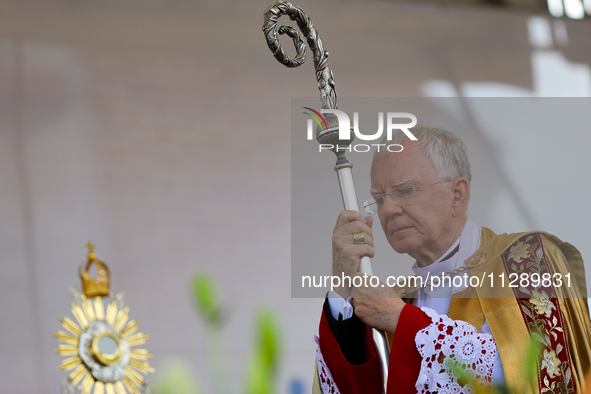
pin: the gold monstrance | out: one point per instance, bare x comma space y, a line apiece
99, 344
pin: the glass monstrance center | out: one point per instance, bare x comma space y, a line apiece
108, 346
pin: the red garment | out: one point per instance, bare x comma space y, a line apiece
404, 365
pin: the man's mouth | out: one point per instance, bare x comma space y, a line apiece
399, 229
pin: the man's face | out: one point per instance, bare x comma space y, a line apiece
418, 227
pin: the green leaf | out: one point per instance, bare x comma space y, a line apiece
531, 357
537, 337
258, 377
206, 299
174, 377
268, 341
456, 370
261, 367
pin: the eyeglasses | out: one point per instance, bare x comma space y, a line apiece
400, 195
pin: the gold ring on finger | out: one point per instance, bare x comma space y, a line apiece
358, 238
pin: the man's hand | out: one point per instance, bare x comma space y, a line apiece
345, 254
378, 307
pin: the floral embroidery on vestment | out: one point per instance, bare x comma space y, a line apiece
541, 311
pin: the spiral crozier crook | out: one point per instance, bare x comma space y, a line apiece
326, 85
330, 134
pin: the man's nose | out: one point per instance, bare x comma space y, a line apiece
391, 207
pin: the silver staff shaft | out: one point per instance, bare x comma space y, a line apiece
350, 203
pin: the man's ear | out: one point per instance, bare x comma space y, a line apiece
461, 193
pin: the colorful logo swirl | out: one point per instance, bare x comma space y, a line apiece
316, 117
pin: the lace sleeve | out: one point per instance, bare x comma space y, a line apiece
327, 383
446, 343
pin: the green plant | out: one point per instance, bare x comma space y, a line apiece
261, 367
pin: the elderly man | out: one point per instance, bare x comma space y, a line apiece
420, 196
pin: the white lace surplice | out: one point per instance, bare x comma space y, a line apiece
327, 383
448, 346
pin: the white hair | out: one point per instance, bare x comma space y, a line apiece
446, 151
